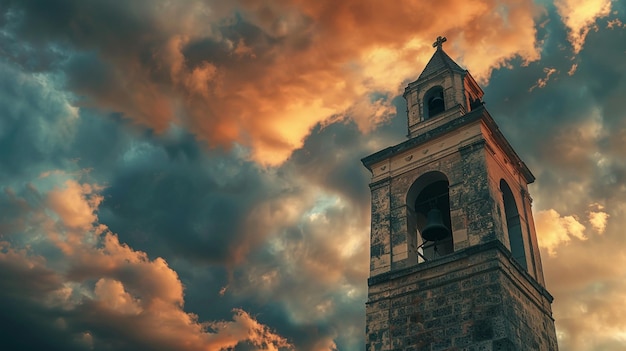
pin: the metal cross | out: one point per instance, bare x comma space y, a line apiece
439, 42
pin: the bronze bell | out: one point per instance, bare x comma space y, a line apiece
435, 229
436, 101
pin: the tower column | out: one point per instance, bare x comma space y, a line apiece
477, 284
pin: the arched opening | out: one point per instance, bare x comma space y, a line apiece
434, 102
428, 192
513, 225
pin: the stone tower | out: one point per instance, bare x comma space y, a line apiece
479, 285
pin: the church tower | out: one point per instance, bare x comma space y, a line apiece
454, 258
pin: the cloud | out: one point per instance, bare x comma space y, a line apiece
215, 220
615, 23
167, 197
97, 290
258, 76
554, 230
598, 221
587, 281
541, 82
246, 328
580, 17
69, 203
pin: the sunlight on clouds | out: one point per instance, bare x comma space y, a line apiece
127, 283
553, 230
75, 203
576, 147
112, 294
266, 217
312, 258
615, 23
588, 284
284, 127
228, 334
580, 17
593, 310
572, 69
297, 64
598, 221
542, 82
367, 113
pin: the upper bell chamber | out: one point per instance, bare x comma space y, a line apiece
443, 91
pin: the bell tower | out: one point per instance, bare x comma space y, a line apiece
454, 258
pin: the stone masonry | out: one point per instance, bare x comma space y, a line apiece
475, 299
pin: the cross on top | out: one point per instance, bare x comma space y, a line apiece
439, 42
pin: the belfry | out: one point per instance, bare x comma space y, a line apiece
454, 258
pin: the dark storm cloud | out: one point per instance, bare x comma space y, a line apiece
174, 203
571, 120
29, 324
32, 126
338, 149
93, 24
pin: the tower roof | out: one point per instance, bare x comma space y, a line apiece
440, 61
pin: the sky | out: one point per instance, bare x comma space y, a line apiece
185, 175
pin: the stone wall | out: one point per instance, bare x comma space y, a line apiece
475, 299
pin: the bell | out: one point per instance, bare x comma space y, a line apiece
436, 101
435, 106
435, 229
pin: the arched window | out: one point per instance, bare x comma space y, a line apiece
430, 192
433, 102
513, 224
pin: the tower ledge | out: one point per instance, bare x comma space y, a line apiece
441, 127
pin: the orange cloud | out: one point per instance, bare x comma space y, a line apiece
112, 294
542, 82
588, 283
598, 221
75, 204
264, 77
245, 328
554, 230
580, 17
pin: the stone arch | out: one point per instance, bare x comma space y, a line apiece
434, 103
430, 190
513, 224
